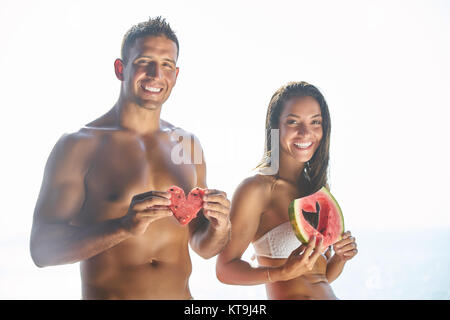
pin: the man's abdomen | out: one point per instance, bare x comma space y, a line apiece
156, 279
155, 265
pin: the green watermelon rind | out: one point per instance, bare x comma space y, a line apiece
293, 217
299, 232
337, 205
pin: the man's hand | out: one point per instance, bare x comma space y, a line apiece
216, 208
146, 208
208, 239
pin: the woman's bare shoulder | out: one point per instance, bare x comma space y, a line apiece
259, 186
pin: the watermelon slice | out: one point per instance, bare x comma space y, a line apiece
185, 209
318, 214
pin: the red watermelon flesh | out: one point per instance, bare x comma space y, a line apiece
184, 209
318, 214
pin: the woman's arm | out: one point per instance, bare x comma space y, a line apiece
334, 268
249, 201
345, 249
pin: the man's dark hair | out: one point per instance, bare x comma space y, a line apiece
153, 27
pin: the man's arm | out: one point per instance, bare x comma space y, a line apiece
54, 240
210, 231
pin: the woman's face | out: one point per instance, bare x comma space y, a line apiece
300, 126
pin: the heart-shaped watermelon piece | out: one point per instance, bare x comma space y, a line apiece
185, 209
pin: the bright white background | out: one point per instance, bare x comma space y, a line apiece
383, 67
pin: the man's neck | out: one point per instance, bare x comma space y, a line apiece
130, 116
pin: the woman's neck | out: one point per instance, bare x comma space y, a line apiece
289, 169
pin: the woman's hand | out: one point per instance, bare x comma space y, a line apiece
299, 262
345, 249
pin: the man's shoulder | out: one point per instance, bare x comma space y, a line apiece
76, 144
169, 127
178, 131
81, 137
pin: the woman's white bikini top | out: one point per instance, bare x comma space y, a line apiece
278, 242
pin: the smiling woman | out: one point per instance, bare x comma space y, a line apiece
259, 211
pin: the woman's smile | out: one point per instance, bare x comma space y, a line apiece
303, 146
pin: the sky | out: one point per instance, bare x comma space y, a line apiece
382, 66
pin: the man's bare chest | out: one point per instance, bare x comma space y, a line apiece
120, 170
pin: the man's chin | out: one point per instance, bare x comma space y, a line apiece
149, 105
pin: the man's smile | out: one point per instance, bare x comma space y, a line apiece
152, 89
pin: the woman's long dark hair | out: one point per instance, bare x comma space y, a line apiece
314, 174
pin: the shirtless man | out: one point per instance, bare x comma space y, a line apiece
103, 199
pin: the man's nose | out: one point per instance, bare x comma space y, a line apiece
154, 70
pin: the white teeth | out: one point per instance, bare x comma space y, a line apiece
303, 145
151, 89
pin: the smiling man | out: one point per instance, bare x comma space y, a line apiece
104, 200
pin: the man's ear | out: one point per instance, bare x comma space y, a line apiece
118, 68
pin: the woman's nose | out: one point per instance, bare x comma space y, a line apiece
302, 129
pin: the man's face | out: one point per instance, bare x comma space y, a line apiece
150, 72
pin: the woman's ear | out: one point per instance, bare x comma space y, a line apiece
118, 68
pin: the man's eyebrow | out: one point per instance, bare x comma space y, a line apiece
296, 116
151, 57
